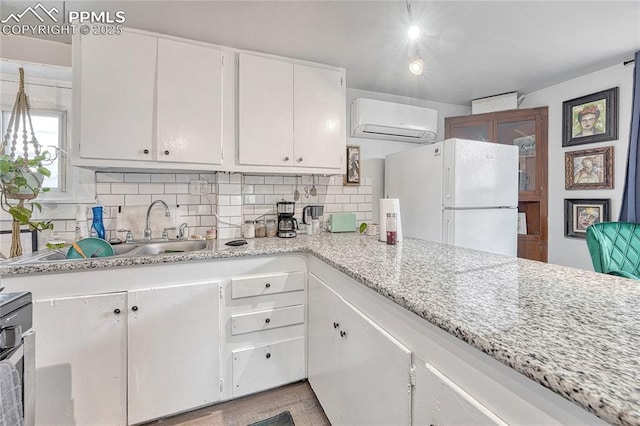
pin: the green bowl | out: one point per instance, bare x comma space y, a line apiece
92, 247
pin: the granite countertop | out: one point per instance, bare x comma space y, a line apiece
575, 332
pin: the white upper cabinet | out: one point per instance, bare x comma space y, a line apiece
117, 91
265, 98
154, 100
290, 115
189, 105
318, 110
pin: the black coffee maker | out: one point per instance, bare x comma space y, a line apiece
287, 224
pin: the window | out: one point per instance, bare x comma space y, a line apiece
50, 130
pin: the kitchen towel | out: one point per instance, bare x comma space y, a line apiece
10, 395
389, 205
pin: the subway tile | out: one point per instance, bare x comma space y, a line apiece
208, 220
273, 180
103, 188
228, 189
151, 188
235, 178
207, 199
272, 199
163, 177
248, 189
124, 188
235, 200
335, 180
225, 233
333, 208
137, 177
334, 189
223, 178
199, 210
360, 216
176, 188
109, 177
350, 190
363, 207
368, 181
289, 180
187, 177
368, 215
187, 199
137, 200
230, 210
264, 189
283, 189
247, 210
329, 199
342, 198
250, 179
357, 198
111, 200
365, 190
259, 199
209, 177
264, 209
224, 200
349, 208
170, 199
368, 198
323, 180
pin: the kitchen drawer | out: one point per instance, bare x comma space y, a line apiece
265, 320
268, 366
267, 284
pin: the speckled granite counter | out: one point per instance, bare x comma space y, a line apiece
575, 332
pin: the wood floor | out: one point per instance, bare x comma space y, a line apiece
297, 398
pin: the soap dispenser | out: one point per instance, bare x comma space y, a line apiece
97, 226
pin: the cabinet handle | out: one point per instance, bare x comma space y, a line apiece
166, 152
285, 159
116, 311
268, 355
267, 285
299, 159
336, 325
146, 151
268, 320
343, 333
134, 308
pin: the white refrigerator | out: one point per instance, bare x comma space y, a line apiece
458, 192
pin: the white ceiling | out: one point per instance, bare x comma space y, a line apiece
472, 49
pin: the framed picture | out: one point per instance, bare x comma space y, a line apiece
28, 238
591, 118
353, 175
522, 223
589, 169
580, 214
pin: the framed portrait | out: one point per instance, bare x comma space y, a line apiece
591, 118
28, 238
589, 169
354, 172
580, 214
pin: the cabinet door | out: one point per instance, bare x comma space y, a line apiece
324, 365
172, 349
358, 371
265, 111
439, 401
117, 91
189, 103
476, 129
522, 133
318, 114
81, 360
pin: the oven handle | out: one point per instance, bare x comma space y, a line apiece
29, 378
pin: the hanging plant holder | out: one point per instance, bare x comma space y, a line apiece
22, 173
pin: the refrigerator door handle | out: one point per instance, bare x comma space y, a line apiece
447, 183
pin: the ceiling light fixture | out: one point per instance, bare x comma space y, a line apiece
416, 66
414, 32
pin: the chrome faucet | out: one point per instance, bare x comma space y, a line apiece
147, 229
181, 235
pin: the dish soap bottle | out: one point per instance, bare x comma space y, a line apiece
97, 226
81, 223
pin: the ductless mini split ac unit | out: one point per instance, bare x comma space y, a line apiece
374, 119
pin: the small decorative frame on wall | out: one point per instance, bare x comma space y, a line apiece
353, 175
591, 118
29, 242
580, 214
589, 169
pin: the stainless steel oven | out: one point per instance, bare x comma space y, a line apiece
17, 345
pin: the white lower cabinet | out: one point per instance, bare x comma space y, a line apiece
173, 347
439, 401
360, 374
81, 359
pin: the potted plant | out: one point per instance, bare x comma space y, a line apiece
21, 176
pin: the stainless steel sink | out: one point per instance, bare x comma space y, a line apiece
162, 247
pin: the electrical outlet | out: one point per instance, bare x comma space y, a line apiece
198, 187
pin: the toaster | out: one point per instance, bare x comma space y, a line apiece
342, 222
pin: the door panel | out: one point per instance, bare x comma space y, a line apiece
490, 230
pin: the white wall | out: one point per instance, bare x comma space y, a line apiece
31, 49
570, 251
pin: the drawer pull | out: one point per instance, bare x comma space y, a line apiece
268, 320
267, 285
268, 355
134, 308
146, 151
166, 152
336, 325
343, 333
116, 311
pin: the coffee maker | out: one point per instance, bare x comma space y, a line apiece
287, 224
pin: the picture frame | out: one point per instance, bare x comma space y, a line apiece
354, 171
522, 223
591, 118
579, 214
589, 168
28, 238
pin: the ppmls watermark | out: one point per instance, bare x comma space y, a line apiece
54, 22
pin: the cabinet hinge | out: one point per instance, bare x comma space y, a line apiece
220, 288
412, 376
221, 385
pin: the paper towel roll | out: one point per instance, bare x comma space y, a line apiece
389, 205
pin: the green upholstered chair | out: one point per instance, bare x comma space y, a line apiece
615, 248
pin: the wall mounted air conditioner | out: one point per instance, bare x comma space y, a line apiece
376, 119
